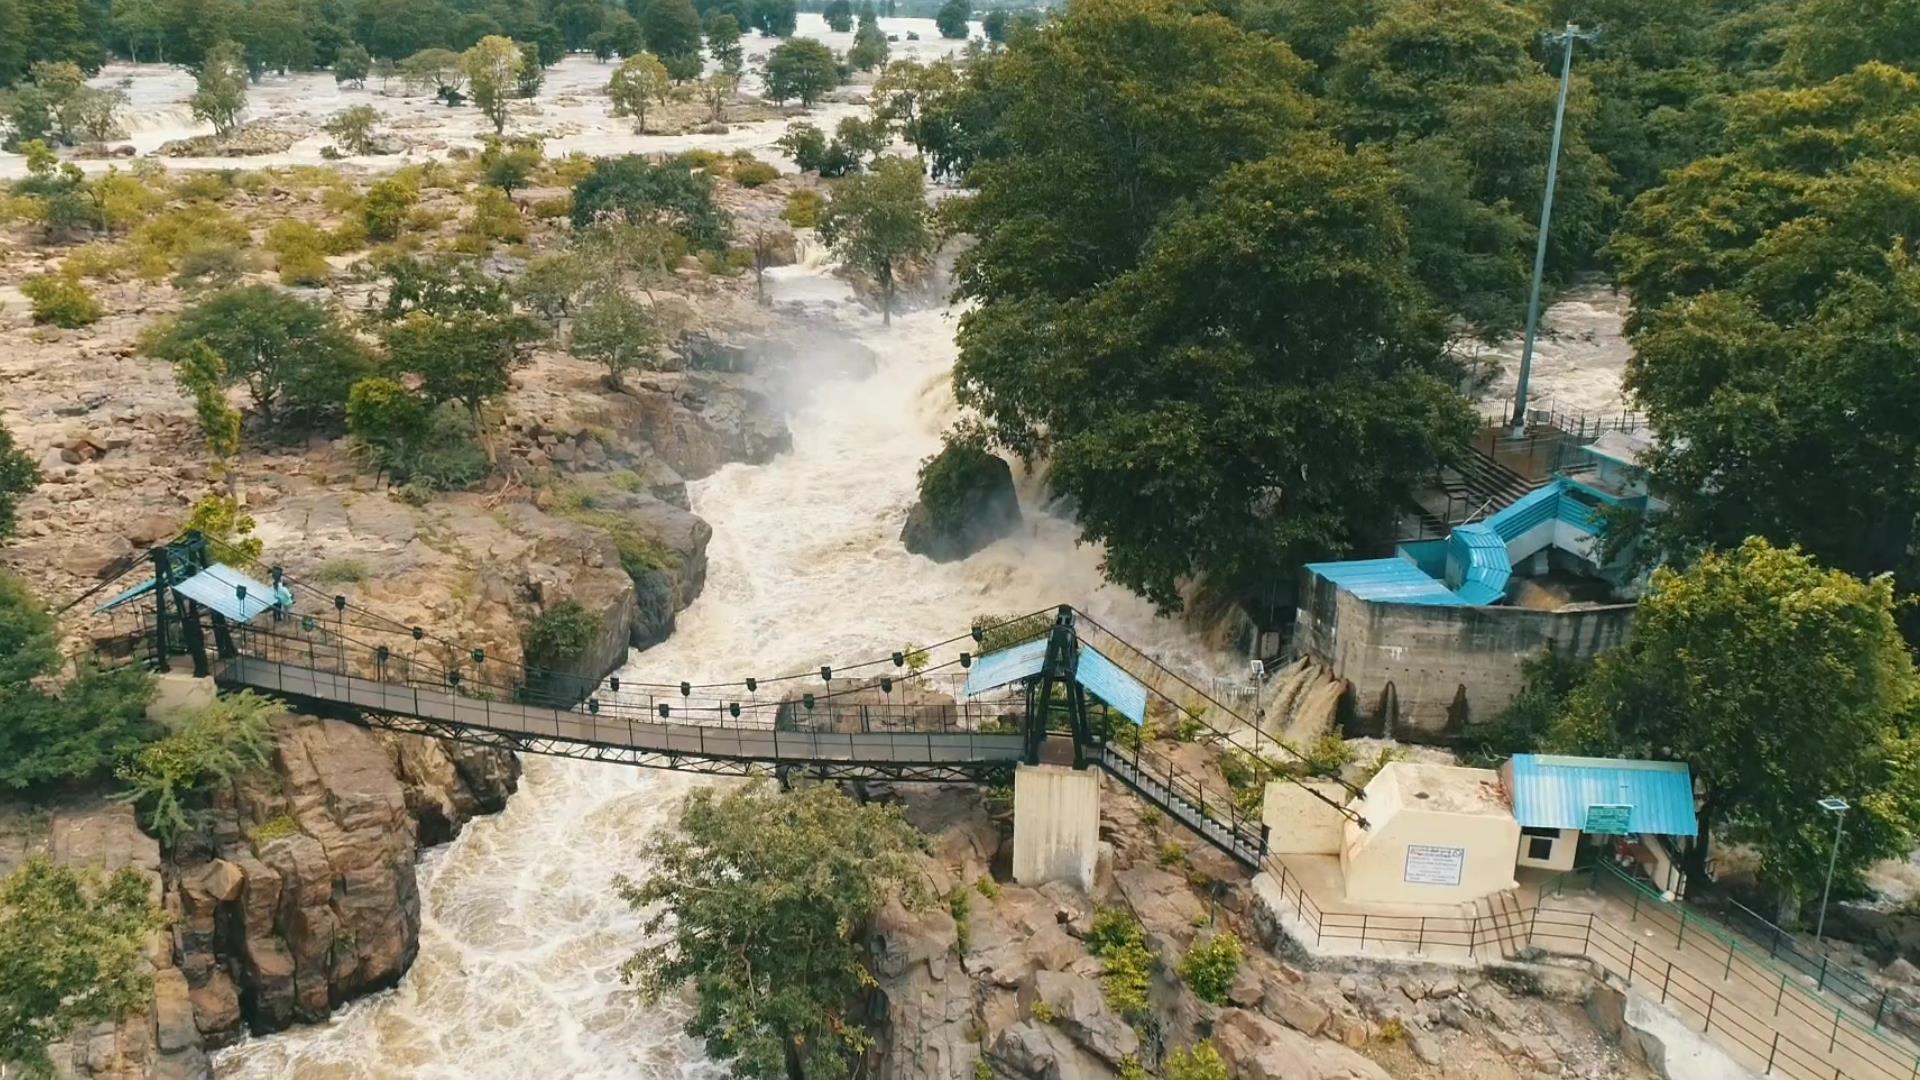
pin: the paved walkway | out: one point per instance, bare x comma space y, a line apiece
1765, 1016
1761, 1012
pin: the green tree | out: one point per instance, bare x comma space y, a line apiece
387, 205
72, 953
296, 358
869, 49
462, 356
723, 43
222, 519
493, 71
801, 68
352, 129
532, 72
878, 222
673, 30
444, 70
1829, 38
550, 283
640, 82
994, 25
1259, 391
615, 329
61, 31
220, 89
839, 16
137, 22
167, 780
18, 476
1771, 318
509, 164
351, 65
952, 19
203, 375
774, 18
389, 418
1778, 682
74, 733
760, 899
670, 195
1062, 204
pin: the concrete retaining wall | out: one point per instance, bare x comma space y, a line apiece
1056, 825
1423, 672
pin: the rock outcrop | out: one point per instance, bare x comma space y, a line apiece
967, 501
303, 895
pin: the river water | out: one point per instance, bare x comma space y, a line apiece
518, 972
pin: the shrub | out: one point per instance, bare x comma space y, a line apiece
229, 737
211, 264
1210, 966
342, 571
495, 218
222, 518
1327, 755
752, 174
298, 247
1172, 853
387, 207
997, 632
960, 907
1197, 1062
560, 635
98, 261
61, 300
274, 828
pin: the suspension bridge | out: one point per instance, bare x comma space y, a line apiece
1052, 687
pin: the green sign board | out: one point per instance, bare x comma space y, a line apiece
1614, 819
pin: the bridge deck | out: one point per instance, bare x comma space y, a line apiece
441, 711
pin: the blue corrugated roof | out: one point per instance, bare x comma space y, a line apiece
1007, 665
1552, 792
1395, 580
1111, 685
217, 588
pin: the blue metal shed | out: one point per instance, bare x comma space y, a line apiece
1602, 794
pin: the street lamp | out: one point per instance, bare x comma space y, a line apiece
1838, 808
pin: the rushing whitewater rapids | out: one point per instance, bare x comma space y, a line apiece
518, 972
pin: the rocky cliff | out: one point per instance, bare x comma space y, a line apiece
300, 896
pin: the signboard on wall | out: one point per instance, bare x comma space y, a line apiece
1428, 865
1611, 819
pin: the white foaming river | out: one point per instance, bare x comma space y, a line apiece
522, 942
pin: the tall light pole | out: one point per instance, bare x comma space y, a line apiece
1566, 38
1838, 808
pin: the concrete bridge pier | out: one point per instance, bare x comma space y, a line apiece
1056, 825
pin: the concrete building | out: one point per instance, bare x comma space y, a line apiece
1442, 834
1638, 808
1436, 834
1433, 639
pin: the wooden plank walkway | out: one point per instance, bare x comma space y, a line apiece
536, 723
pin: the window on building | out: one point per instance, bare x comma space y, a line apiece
1540, 842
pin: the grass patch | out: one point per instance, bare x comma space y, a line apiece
272, 829
341, 572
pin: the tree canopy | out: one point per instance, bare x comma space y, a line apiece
72, 952
295, 357
801, 68
1779, 682
877, 221
1774, 318
761, 898
669, 194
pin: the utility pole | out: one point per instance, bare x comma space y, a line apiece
1566, 38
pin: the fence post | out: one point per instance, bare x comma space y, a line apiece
1635, 917
1632, 957
1707, 1028
1665, 981
1822, 987
1420, 946
1781, 993
1363, 933
1774, 1049
1835, 1037
1586, 942
1680, 939
1880, 1010
1728, 974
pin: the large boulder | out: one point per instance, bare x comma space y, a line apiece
967, 501
1256, 1048
1031, 1050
